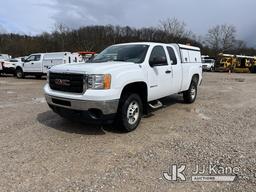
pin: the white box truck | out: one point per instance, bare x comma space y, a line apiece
122, 81
38, 64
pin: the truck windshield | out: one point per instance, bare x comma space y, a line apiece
124, 53
207, 61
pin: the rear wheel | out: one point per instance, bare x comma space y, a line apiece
129, 112
19, 73
190, 95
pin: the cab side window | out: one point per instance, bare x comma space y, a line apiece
158, 54
37, 57
31, 58
172, 55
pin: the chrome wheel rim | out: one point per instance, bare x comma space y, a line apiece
193, 92
18, 74
133, 112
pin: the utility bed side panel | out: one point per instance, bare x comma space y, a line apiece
191, 64
188, 70
48, 63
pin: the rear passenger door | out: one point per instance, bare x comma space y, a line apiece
175, 86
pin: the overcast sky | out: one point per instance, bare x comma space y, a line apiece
36, 16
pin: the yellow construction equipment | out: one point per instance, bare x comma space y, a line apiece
235, 63
225, 62
253, 68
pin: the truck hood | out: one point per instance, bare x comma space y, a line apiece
92, 68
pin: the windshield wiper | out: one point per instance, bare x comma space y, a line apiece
119, 60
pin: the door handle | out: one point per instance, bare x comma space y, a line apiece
32, 63
168, 71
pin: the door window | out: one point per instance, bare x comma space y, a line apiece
158, 52
37, 57
34, 58
172, 55
31, 58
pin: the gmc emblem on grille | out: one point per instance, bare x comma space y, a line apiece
62, 82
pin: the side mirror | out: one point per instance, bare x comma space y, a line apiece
158, 61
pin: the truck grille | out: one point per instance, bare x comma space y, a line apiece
73, 83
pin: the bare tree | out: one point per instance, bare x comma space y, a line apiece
60, 28
240, 44
221, 38
61, 31
176, 28
96, 38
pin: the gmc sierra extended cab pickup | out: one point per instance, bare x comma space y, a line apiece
122, 82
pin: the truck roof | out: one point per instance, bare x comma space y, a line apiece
189, 47
247, 57
51, 53
155, 43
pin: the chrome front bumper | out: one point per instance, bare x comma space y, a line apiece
107, 107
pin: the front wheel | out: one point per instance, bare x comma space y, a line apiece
129, 112
190, 95
19, 73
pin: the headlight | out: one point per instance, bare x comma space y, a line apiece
99, 81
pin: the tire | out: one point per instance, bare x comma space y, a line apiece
129, 112
19, 73
38, 76
190, 95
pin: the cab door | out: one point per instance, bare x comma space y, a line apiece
33, 64
159, 73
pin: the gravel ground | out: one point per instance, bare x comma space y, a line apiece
42, 152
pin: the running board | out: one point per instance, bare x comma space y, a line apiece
157, 104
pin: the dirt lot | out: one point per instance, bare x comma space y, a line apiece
42, 152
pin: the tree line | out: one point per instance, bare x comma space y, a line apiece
220, 38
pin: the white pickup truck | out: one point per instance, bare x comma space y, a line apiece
208, 64
123, 81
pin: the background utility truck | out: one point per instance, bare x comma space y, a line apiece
38, 64
122, 81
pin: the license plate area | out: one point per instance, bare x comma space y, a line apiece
61, 102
